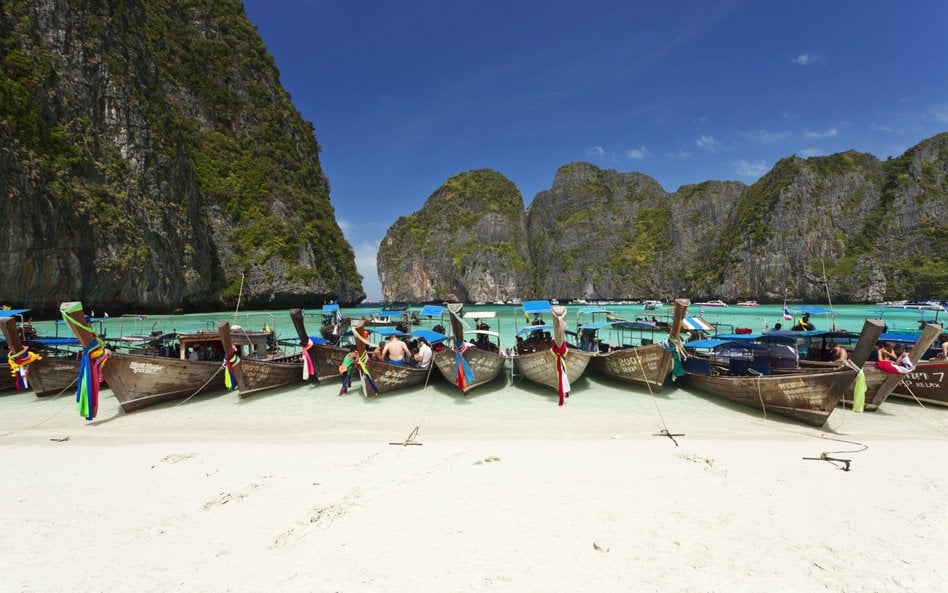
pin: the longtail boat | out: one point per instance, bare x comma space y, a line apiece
324, 357
465, 365
644, 365
253, 373
141, 380
378, 377
879, 384
48, 374
738, 371
555, 366
928, 382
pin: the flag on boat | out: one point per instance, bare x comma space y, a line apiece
786, 314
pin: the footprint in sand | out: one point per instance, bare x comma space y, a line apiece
225, 497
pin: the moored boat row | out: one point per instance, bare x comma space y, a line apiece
248, 362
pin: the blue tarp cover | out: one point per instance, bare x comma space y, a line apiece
431, 311
330, 308
536, 306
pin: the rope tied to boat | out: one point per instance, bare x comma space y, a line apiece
19, 366
94, 357
760, 395
230, 375
665, 432
308, 368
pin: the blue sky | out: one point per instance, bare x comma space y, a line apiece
405, 94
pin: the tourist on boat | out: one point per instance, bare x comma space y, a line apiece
886, 351
839, 353
943, 338
423, 358
395, 351
803, 324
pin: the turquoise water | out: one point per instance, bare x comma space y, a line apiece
510, 319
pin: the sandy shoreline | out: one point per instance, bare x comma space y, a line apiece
301, 492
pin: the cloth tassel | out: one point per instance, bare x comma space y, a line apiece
562, 383
308, 368
94, 357
364, 373
20, 366
465, 374
230, 375
859, 392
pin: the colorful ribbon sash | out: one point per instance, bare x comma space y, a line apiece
94, 357
308, 369
19, 366
230, 376
562, 381
364, 373
464, 373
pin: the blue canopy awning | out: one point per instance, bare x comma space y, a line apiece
598, 325
813, 310
53, 341
13, 312
718, 343
431, 311
536, 306
593, 310
331, 308
902, 338
532, 328
433, 337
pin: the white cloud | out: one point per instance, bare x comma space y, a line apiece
678, 154
750, 168
940, 113
708, 143
595, 151
637, 154
808, 152
830, 133
805, 59
765, 136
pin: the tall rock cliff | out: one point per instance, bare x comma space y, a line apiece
150, 159
467, 243
867, 229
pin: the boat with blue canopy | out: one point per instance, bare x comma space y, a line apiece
469, 364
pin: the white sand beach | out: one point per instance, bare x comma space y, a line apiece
300, 490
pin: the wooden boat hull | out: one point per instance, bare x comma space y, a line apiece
807, 397
646, 366
540, 367
6, 378
51, 376
929, 383
259, 375
326, 361
485, 365
389, 377
140, 381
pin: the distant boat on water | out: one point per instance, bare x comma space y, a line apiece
748, 304
714, 303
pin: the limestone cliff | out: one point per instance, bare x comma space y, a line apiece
870, 230
150, 159
467, 243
